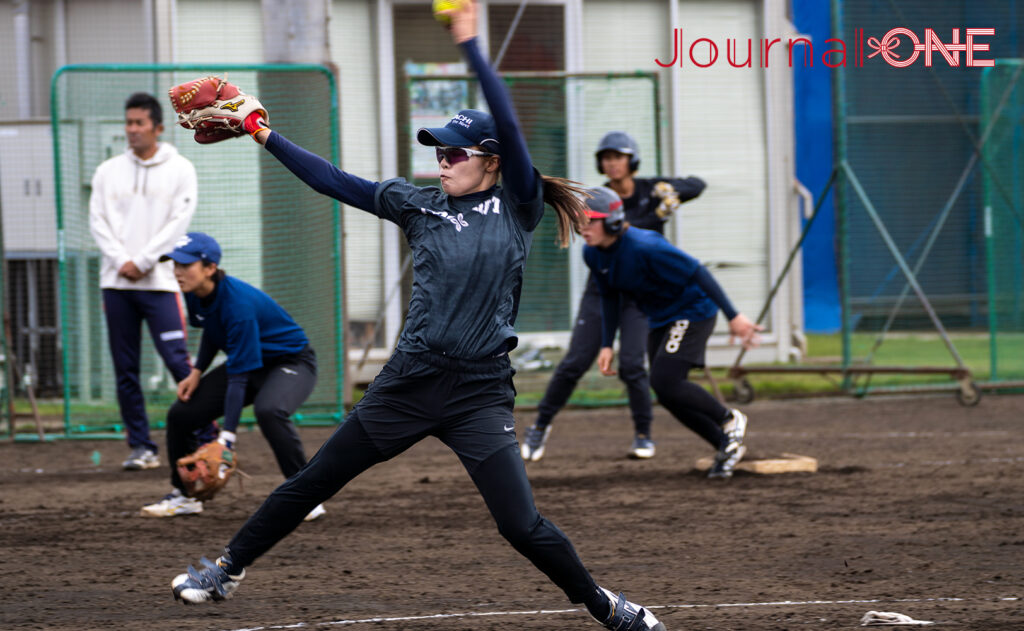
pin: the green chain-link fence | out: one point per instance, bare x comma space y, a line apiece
276, 233
1002, 113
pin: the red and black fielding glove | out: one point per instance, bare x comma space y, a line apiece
216, 110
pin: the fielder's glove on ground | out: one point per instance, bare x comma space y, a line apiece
669, 200
216, 110
208, 470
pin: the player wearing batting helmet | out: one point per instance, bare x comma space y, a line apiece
646, 203
681, 300
450, 375
270, 365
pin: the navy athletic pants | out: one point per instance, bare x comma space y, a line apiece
125, 311
584, 346
467, 404
274, 391
675, 349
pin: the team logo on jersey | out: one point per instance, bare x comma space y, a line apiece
676, 335
492, 205
455, 220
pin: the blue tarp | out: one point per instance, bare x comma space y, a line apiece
814, 161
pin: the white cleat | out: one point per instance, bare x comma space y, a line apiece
642, 448
736, 427
211, 582
141, 458
532, 448
316, 513
172, 505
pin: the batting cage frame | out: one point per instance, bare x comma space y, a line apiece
275, 232
856, 119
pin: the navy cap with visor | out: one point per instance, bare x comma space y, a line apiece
194, 246
468, 128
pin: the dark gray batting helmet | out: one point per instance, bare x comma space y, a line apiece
623, 143
606, 205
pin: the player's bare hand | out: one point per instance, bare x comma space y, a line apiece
604, 361
743, 329
130, 271
188, 385
463, 20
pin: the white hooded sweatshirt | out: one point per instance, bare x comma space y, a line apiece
137, 210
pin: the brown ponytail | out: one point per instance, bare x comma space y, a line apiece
568, 198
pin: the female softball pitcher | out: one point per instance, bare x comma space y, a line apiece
681, 300
270, 365
450, 376
647, 203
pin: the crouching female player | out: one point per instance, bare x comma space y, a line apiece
270, 365
681, 300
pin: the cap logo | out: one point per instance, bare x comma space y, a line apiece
464, 121
615, 205
183, 241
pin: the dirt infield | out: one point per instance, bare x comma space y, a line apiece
918, 500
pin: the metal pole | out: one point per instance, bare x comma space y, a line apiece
511, 32
790, 259
842, 226
911, 279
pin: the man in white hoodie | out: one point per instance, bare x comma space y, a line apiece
141, 204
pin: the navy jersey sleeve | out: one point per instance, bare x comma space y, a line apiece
234, 400
714, 291
686, 188
609, 299
192, 305
667, 195
668, 263
609, 313
672, 265
517, 172
390, 198
207, 351
243, 340
322, 176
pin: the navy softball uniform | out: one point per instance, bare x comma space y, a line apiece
681, 300
270, 365
640, 209
450, 375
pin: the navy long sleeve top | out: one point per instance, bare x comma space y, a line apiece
468, 252
666, 283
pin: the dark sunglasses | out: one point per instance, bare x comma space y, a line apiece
455, 155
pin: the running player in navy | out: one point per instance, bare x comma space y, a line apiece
270, 365
647, 203
681, 300
450, 376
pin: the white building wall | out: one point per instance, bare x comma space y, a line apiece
721, 136
354, 52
